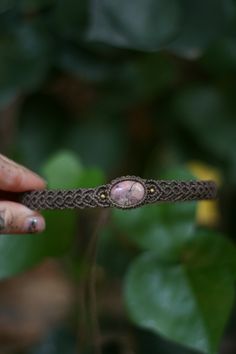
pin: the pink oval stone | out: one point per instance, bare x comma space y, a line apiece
127, 193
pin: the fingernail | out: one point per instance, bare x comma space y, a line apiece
34, 224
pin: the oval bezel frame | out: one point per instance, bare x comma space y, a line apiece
127, 178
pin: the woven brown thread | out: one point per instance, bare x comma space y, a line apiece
155, 191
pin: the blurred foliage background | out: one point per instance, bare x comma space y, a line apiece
91, 90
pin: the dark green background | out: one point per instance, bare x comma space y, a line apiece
90, 90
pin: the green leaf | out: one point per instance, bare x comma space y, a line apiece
26, 6
163, 228
5, 5
100, 142
91, 177
35, 5
181, 300
203, 22
113, 254
145, 78
42, 119
205, 108
153, 74
63, 170
220, 58
22, 252
59, 233
83, 64
144, 25
69, 19
209, 248
24, 60
19, 253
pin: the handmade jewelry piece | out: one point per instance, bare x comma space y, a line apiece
125, 193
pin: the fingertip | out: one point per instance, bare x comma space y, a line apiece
17, 219
34, 181
16, 178
22, 180
34, 224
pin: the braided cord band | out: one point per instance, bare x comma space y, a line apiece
125, 193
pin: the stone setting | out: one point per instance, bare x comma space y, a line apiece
128, 192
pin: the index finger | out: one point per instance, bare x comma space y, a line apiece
16, 178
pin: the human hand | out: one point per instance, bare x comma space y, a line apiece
14, 217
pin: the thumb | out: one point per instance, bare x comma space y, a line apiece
17, 219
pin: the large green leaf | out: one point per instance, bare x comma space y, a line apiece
210, 249
83, 64
203, 22
63, 170
145, 25
147, 77
220, 58
187, 301
204, 109
24, 60
163, 228
100, 141
19, 253
91, 177
34, 5
41, 139
25, 5
5, 5
69, 19
113, 254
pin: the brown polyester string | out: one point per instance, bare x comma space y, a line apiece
156, 191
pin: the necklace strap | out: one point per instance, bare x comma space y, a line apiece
125, 193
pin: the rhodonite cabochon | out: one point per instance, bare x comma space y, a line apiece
127, 193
